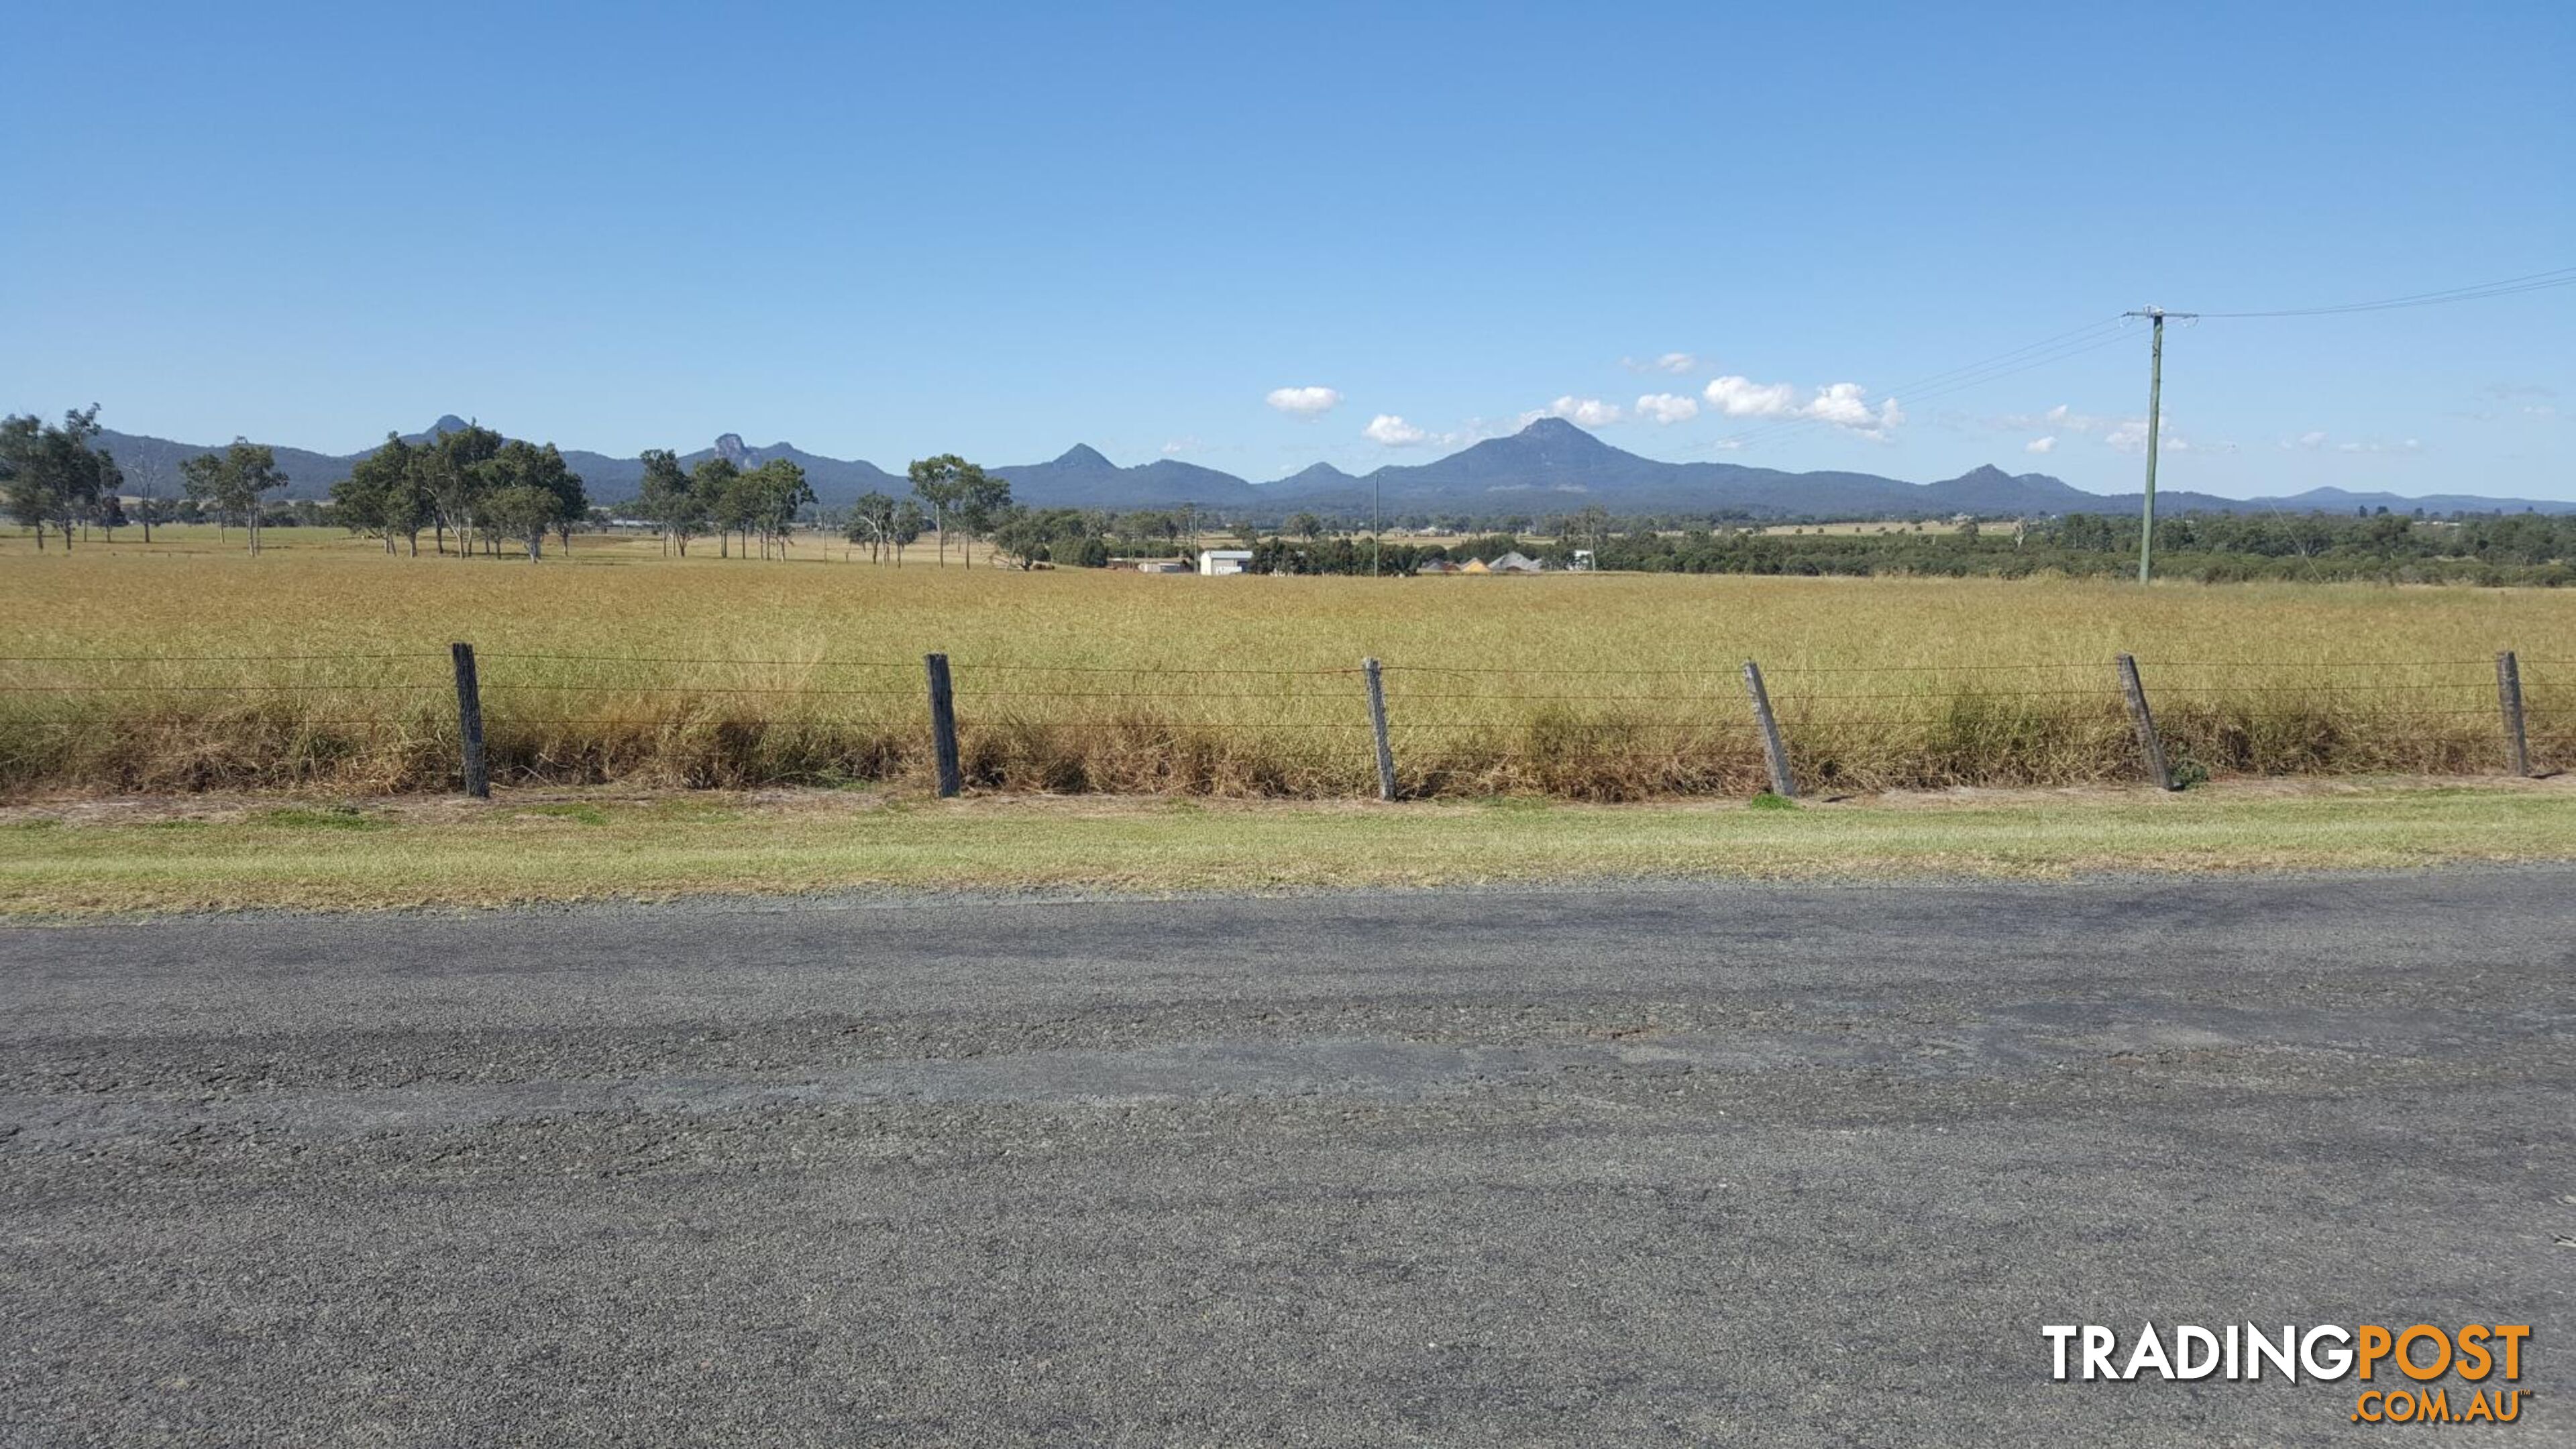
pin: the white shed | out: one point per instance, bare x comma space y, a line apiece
1224, 560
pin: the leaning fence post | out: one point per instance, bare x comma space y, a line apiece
1775, 750
1377, 726
943, 725
2517, 745
469, 720
2149, 745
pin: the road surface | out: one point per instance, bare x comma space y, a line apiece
1775, 1165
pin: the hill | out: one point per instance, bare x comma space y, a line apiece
1082, 478
1551, 466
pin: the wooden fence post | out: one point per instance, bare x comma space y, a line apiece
2150, 745
1775, 750
1377, 726
469, 720
943, 725
2517, 745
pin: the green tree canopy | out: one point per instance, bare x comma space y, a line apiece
519, 464
235, 482
49, 474
384, 494
961, 497
668, 498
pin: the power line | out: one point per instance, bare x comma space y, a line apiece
2065, 345
2092, 336
2509, 286
2002, 357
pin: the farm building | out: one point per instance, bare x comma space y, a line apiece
1515, 562
1437, 566
1224, 560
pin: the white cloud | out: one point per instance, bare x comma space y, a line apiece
2059, 419
1740, 397
1177, 446
1391, 431
1588, 412
1843, 405
1675, 363
1726, 445
2312, 440
1304, 402
2040, 445
1846, 405
2129, 435
1667, 408
2410, 445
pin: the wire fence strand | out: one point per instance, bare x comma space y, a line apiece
1598, 731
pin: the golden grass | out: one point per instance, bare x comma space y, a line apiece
72, 859
618, 665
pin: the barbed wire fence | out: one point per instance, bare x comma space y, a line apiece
428, 719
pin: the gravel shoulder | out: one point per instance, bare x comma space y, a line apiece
1744, 1163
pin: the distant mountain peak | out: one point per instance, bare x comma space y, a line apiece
1985, 473
448, 423
1557, 440
1553, 428
1317, 474
1083, 455
729, 446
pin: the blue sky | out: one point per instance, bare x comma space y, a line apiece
1000, 230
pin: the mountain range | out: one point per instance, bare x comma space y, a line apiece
1551, 466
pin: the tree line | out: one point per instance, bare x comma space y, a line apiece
722, 497
2498, 549
50, 476
471, 484
53, 476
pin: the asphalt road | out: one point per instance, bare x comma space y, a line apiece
1728, 1165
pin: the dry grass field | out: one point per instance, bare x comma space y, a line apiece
188, 666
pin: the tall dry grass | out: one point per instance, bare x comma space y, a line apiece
326, 666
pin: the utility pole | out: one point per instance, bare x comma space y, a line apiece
2155, 431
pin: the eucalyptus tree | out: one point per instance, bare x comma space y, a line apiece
766, 500
910, 523
710, 485
541, 471
384, 494
237, 480
107, 502
48, 471
983, 502
871, 521
667, 499
453, 474
961, 497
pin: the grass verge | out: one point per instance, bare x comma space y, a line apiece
109, 857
